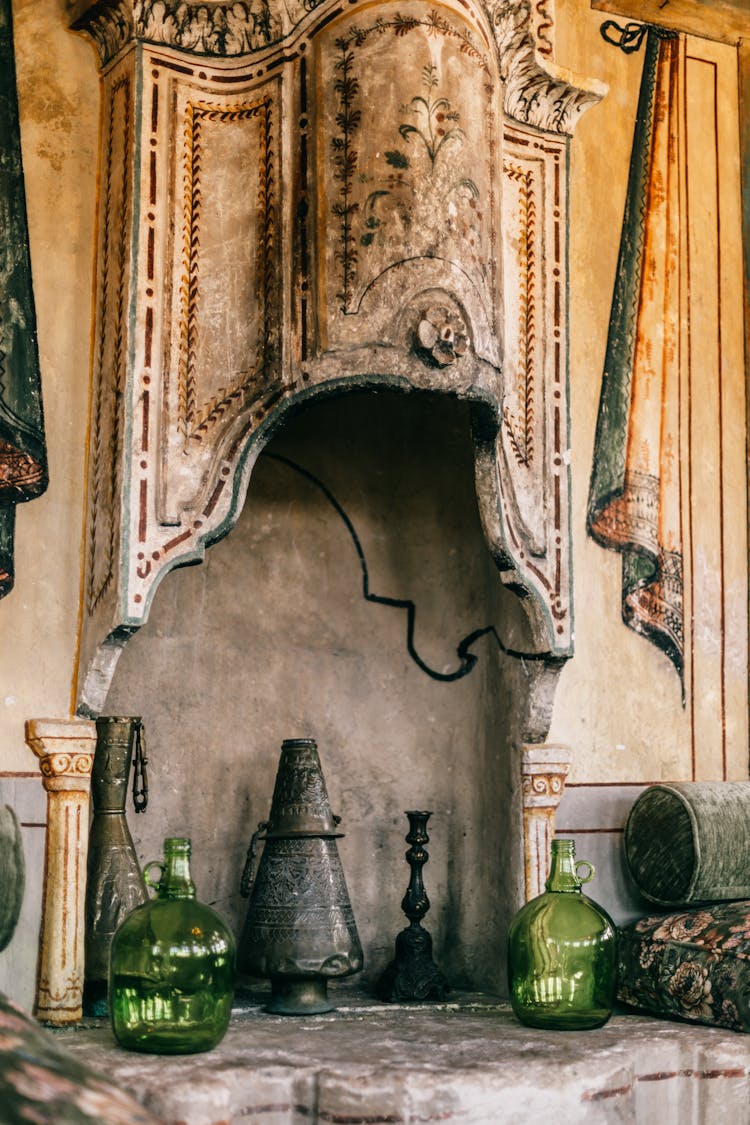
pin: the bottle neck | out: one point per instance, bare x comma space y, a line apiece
562, 873
176, 881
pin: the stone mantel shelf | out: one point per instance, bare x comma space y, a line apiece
466, 1061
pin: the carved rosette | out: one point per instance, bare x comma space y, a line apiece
65, 749
295, 197
543, 773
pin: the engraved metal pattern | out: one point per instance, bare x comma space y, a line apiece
294, 896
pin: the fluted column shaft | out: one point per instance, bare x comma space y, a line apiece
65, 749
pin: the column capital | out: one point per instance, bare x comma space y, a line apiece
544, 769
65, 749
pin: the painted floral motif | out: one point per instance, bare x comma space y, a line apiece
433, 126
414, 198
692, 965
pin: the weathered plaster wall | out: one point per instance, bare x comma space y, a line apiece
618, 704
58, 105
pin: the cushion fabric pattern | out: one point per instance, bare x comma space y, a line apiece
42, 1084
689, 842
691, 965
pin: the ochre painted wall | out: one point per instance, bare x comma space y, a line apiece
58, 104
619, 701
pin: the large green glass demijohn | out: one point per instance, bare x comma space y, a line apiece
562, 952
171, 978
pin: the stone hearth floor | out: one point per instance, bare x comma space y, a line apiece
467, 1061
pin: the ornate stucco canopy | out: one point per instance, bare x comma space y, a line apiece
298, 198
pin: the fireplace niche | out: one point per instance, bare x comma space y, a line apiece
300, 201
271, 637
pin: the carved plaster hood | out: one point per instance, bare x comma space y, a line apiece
299, 197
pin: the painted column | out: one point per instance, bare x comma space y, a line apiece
543, 772
65, 748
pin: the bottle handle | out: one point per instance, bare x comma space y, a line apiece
140, 777
147, 878
590, 873
248, 878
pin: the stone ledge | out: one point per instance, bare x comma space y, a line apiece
467, 1062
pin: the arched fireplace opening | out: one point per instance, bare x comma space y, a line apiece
271, 638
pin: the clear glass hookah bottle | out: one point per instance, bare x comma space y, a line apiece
171, 979
562, 951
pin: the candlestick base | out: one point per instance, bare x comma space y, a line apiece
412, 974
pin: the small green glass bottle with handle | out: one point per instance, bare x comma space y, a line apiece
562, 951
171, 975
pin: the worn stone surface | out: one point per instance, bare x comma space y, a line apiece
469, 1062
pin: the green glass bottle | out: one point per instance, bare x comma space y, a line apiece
562, 952
171, 974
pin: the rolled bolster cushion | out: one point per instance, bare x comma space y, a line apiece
692, 965
689, 842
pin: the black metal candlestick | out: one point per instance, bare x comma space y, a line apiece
413, 975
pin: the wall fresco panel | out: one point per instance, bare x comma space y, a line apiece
734, 459
715, 509
407, 148
223, 340
110, 359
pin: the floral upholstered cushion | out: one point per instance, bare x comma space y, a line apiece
41, 1084
692, 964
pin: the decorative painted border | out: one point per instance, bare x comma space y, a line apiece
553, 578
105, 464
521, 430
544, 27
195, 421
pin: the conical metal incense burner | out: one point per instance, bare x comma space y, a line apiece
115, 884
300, 930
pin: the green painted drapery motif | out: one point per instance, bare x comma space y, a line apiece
634, 496
23, 458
